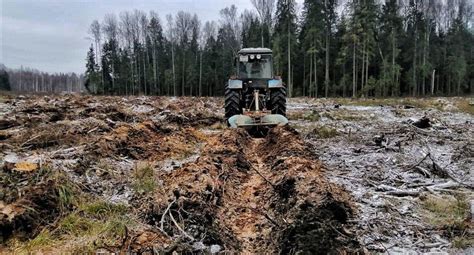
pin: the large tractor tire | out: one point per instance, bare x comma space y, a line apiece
278, 101
232, 103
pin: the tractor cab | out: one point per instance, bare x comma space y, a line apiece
255, 63
254, 97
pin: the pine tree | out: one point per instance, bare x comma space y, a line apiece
92, 76
329, 20
310, 37
284, 40
4, 80
389, 41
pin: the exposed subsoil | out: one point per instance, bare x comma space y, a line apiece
258, 196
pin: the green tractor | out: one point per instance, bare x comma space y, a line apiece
254, 97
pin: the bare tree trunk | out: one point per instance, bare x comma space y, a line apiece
354, 84
415, 86
328, 31
182, 75
433, 82
422, 92
366, 67
174, 70
290, 85
145, 84
200, 73
315, 75
396, 89
132, 67
42, 82
344, 80
304, 75
310, 85
154, 70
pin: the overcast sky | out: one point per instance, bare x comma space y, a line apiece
51, 35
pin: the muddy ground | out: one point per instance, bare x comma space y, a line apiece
164, 175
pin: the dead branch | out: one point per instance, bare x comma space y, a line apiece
443, 173
29, 140
420, 161
423, 171
162, 221
392, 191
403, 193
179, 228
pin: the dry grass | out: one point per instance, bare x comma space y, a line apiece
466, 105
415, 102
344, 115
304, 115
93, 225
325, 132
449, 214
144, 178
460, 104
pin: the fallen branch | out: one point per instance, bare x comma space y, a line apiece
162, 221
443, 173
29, 140
403, 193
392, 191
423, 171
179, 228
420, 161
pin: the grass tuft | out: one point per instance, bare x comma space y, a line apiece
43, 239
103, 209
466, 105
92, 226
144, 179
325, 132
449, 214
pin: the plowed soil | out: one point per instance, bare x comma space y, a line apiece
159, 175
218, 190
259, 196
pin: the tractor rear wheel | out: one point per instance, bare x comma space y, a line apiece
278, 101
232, 103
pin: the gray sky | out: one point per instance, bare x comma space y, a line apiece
51, 35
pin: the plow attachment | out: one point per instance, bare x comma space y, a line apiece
251, 122
257, 126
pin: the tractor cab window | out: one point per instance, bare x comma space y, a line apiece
256, 68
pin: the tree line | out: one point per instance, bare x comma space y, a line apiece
32, 80
326, 48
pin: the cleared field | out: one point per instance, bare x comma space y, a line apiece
160, 174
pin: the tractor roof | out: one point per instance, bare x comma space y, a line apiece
255, 50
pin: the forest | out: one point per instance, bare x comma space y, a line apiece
326, 48
29, 80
